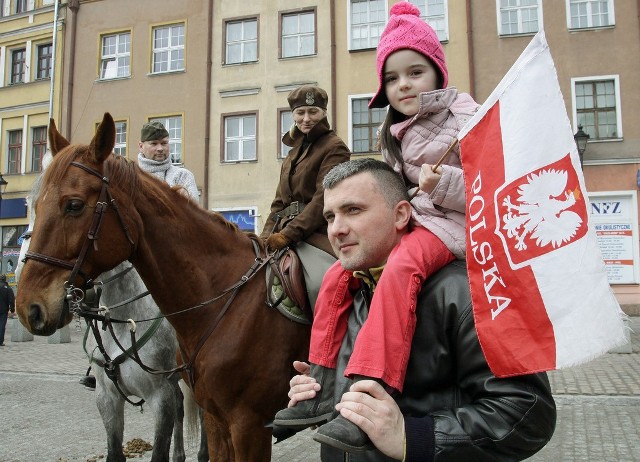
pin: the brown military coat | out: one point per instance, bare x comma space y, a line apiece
301, 178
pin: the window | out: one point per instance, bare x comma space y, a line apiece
240, 138
434, 12
173, 124
38, 147
590, 13
367, 21
115, 61
18, 67
286, 121
298, 34
44, 61
241, 41
14, 159
21, 6
364, 125
120, 147
597, 103
168, 48
519, 16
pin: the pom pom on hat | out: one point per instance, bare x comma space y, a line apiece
405, 30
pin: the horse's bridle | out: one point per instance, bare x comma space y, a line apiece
75, 295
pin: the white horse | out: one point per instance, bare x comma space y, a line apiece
159, 392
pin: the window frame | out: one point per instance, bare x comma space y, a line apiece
176, 135
242, 42
14, 152
380, 24
298, 34
21, 6
115, 57
169, 49
444, 37
44, 73
373, 125
519, 9
22, 74
594, 79
38, 148
120, 146
611, 14
224, 140
281, 154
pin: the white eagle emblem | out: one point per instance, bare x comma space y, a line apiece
541, 210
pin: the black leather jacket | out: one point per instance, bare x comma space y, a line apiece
455, 409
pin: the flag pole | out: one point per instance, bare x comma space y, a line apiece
437, 164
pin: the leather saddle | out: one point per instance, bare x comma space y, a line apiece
286, 289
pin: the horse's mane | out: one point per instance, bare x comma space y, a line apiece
131, 180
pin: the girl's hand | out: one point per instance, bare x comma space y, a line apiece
428, 178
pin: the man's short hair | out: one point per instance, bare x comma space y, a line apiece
391, 185
153, 131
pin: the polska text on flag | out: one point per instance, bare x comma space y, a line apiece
539, 288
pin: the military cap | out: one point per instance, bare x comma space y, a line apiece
153, 131
307, 95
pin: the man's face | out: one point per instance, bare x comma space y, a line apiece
362, 227
155, 149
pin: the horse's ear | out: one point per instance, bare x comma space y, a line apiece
57, 142
104, 140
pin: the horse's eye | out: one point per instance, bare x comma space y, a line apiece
74, 207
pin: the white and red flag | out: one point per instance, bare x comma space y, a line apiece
541, 299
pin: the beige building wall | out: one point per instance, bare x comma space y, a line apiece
142, 95
609, 165
259, 87
25, 105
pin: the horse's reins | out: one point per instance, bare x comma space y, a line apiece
75, 295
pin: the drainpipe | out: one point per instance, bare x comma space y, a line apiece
472, 74
207, 104
334, 98
74, 6
54, 56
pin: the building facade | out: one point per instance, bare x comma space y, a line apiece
140, 61
29, 50
217, 73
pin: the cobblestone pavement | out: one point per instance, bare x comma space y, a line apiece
47, 416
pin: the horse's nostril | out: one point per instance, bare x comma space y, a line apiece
36, 319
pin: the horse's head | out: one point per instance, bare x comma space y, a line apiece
77, 232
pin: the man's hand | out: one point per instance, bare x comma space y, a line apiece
367, 405
428, 178
302, 386
277, 241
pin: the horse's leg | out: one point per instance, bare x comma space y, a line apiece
111, 408
203, 452
218, 440
162, 403
178, 437
251, 440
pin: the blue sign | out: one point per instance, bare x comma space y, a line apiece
244, 219
13, 208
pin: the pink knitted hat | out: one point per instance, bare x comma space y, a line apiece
405, 30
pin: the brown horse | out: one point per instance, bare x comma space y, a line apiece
96, 210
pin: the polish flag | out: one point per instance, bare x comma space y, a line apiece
541, 299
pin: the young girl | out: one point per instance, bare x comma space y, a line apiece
422, 123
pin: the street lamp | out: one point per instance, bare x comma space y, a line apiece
581, 142
3, 185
